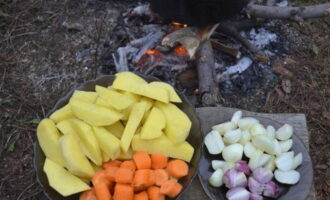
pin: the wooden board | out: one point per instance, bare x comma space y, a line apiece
298, 121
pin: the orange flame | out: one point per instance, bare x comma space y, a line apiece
180, 50
179, 24
153, 52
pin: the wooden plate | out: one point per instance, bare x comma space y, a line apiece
195, 138
299, 191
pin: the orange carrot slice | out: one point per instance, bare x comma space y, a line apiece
171, 188
110, 172
102, 192
123, 192
177, 168
124, 175
111, 163
142, 160
154, 193
101, 177
161, 176
128, 164
141, 196
88, 195
158, 161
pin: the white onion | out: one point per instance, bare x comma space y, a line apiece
236, 116
285, 132
214, 143
233, 153
247, 122
217, 164
271, 131
233, 136
257, 129
264, 143
249, 149
284, 161
224, 127
287, 177
277, 147
286, 145
297, 161
270, 164
245, 137
216, 178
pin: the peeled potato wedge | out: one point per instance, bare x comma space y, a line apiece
48, 137
132, 76
93, 114
89, 97
108, 142
63, 181
62, 114
174, 97
74, 158
154, 125
116, 129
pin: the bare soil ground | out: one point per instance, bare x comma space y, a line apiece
39, 63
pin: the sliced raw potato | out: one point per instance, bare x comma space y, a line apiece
277, 147
163, 145
216, 178
116, 129
249, 149
287, 177
126, 112
149, 102
245, 138
132, 96
285, 161
247, 122
132, 125
67, 127
270, 164
62, 114
74, 159
154, 125
105, 157
145, 117
113, 98
233, 136
102, 102
90, 146
233, 153
63, 181
271, 132
225, 127
48, 138
286, 145
264, 143
285, 132
214, 143
297, 161
177, 122
128, 84
236, 116
257, 129
93, 114
89, 97
108, 143
132, 76
126, 155
174, 97
218, 164
154, 92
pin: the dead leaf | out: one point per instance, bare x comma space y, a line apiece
186, 37
286, 86
280, 69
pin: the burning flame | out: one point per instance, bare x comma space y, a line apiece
179, 24
180, 50
153, 52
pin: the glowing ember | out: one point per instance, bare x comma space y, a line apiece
196, 91
153, 52
180, 50
179, 24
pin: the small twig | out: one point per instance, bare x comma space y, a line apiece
293, 13
28, 187
226, 49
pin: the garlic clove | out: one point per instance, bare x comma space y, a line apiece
264, 143
249, 149
271, 132
236, 116
246, 123
245, 137
257, 129
297, 161
224, 127
285, 132
216, 179
217, 164
286, 145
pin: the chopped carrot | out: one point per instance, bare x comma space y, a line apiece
88, 195
154, 193
111, 163
123, 192
124, 175
177, 168
161, 176
141, 196
102, 192
110, 172
171, 188
151, 178
141, 179
101, 177
158, 161
128, 164
142, 160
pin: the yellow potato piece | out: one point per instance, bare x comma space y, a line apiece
74, 158
154, 92
105, 156
149, 102
116, 129
132, 76
101, 102
113, 98
108, 142
177, 122
126, 112
132, 96
63, 181
127, 84
174, 97
62, 114
163, 145
48, 137
154, 125
93, 114
126, 155
145, 117
89, 97
132, 125
90, 145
